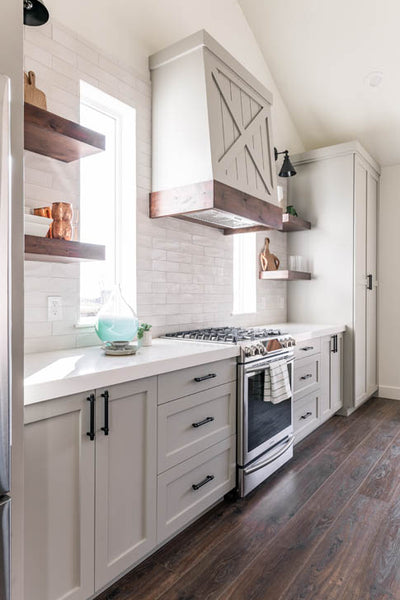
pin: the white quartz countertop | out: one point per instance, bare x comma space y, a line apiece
306, 331
63, 372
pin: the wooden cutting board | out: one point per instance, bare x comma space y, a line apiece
31, 94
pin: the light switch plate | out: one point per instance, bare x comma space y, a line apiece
54, 308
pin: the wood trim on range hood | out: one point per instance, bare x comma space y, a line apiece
216, 204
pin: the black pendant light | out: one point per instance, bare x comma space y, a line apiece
287, 169
35, 13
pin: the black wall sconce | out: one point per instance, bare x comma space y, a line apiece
35, 13
287, 169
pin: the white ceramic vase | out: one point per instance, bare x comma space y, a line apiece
147, 338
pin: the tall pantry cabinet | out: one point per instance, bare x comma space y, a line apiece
336, 188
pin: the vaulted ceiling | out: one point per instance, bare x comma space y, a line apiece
320, 53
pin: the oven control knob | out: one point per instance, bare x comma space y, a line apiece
247, 350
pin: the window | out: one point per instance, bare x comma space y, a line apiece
244, 273
108, 201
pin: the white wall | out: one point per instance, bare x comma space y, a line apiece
11, 65
184, 271
389, 283
133, 29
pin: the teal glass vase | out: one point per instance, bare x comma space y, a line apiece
116, 321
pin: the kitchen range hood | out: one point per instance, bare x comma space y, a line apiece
213, 154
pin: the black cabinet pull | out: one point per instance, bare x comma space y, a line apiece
308, 414
106, 429
335, 344
197, 486
209, 376
91, 433
369, 286
307, 348
203, 422
306, 376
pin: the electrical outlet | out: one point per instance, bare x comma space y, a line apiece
281, 301
54, 308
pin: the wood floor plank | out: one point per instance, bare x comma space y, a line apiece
381, 566
271, 512
333, 571
206, 560
291, 549
384, 481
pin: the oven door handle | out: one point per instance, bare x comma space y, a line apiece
271, 458
264, 366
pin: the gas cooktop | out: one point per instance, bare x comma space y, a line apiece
254, 341
228, 335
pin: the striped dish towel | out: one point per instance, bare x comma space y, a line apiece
276, 382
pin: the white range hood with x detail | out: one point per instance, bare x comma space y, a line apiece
213, 155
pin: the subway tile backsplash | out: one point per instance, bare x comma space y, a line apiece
184, 270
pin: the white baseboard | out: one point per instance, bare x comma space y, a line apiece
385, 391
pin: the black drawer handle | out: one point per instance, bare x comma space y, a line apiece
209, 376
91, 433
197, 486
203, 422
308, 414
106, 429
306, 376
307, 348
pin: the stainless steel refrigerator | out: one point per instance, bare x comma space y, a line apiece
5, 363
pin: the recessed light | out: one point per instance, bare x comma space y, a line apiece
374, 79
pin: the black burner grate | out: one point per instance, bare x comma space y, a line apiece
230, 335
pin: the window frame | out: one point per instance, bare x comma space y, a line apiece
125, 190
244, 273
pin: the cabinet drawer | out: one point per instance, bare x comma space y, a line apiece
191, 424
188, 489
307, 348
306, 416
195, 379
306, 375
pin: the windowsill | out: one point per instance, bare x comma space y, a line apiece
85, 325
243, 314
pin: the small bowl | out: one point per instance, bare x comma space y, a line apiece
35, 225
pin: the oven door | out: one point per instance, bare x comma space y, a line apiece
261, 424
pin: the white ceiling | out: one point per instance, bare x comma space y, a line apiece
320, 52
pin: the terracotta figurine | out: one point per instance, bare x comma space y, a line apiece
269, 262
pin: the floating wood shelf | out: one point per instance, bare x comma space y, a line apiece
50, 250
284, 275
51, 135
292, 223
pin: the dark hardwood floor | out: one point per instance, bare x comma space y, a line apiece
324, 527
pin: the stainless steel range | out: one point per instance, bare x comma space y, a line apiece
264, 425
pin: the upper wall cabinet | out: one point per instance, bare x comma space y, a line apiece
212, 138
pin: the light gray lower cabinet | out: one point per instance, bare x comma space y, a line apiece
59, 500
189, 488
93, 503
90, 504
125, 482
196, 445
318, 383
